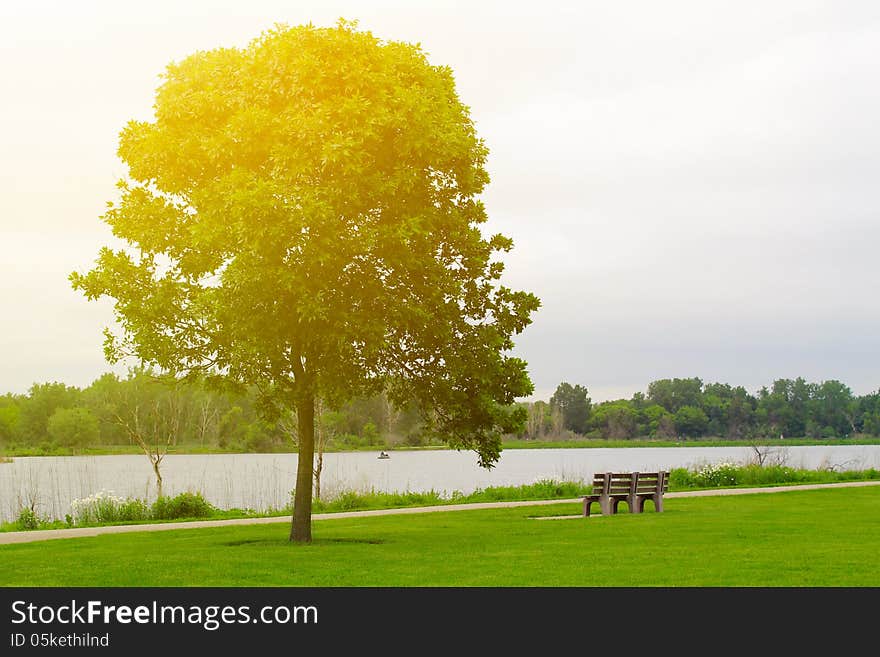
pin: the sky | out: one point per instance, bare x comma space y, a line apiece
692, 187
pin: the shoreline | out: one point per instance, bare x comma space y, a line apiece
190, 450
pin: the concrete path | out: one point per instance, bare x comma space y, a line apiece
79, 532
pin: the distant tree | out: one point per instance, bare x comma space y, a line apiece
869, 413
231, 427
657, 421
672, 394
666, 426
639, 401
408, 426
774, 409
574, 404
716, 407
358, 412
99, 399
206, 410
740, 413
10, 412
74, 427
42, 400
533, 427
800, 394
691, 421
833, 408
303, 214
616, 419
542, 420
148, 407
866, 410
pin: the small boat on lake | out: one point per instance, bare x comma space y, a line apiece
384, 455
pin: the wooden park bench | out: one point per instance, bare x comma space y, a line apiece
634, 488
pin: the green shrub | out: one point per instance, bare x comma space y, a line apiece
27, 520
681, 478
104, 508
184, 505
133, 509
350, 500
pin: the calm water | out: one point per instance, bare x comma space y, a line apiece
261, 481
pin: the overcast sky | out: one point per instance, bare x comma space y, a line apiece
693, 187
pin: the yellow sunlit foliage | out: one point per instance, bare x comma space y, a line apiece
303, 215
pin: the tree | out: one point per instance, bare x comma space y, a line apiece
538, 420
800, 394
691, 421
206, 408
716, 407
774, 409
303, 216
672, 394
10, 412
326, 422
42, 401
740, 413
833, 408
99, 398
73, 427
867, 410
149, 408
616, 419
656, 421
575, 406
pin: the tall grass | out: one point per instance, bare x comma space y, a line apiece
104, 508
546, 489
717, 475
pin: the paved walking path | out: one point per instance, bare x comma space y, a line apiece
78, 532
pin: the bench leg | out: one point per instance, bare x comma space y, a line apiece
658, 503
587, 504
634, 505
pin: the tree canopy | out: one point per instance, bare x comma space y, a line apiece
575, 405
303, 214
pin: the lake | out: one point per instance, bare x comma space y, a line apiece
262, 481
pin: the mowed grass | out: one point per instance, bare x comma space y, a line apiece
811, 538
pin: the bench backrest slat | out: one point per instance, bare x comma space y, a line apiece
630, 483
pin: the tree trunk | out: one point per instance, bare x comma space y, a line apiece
158, 477
301, 525
318, 467
320, 441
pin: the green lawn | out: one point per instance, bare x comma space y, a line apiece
800, 538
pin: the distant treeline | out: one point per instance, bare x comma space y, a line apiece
688, 408
142, 408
